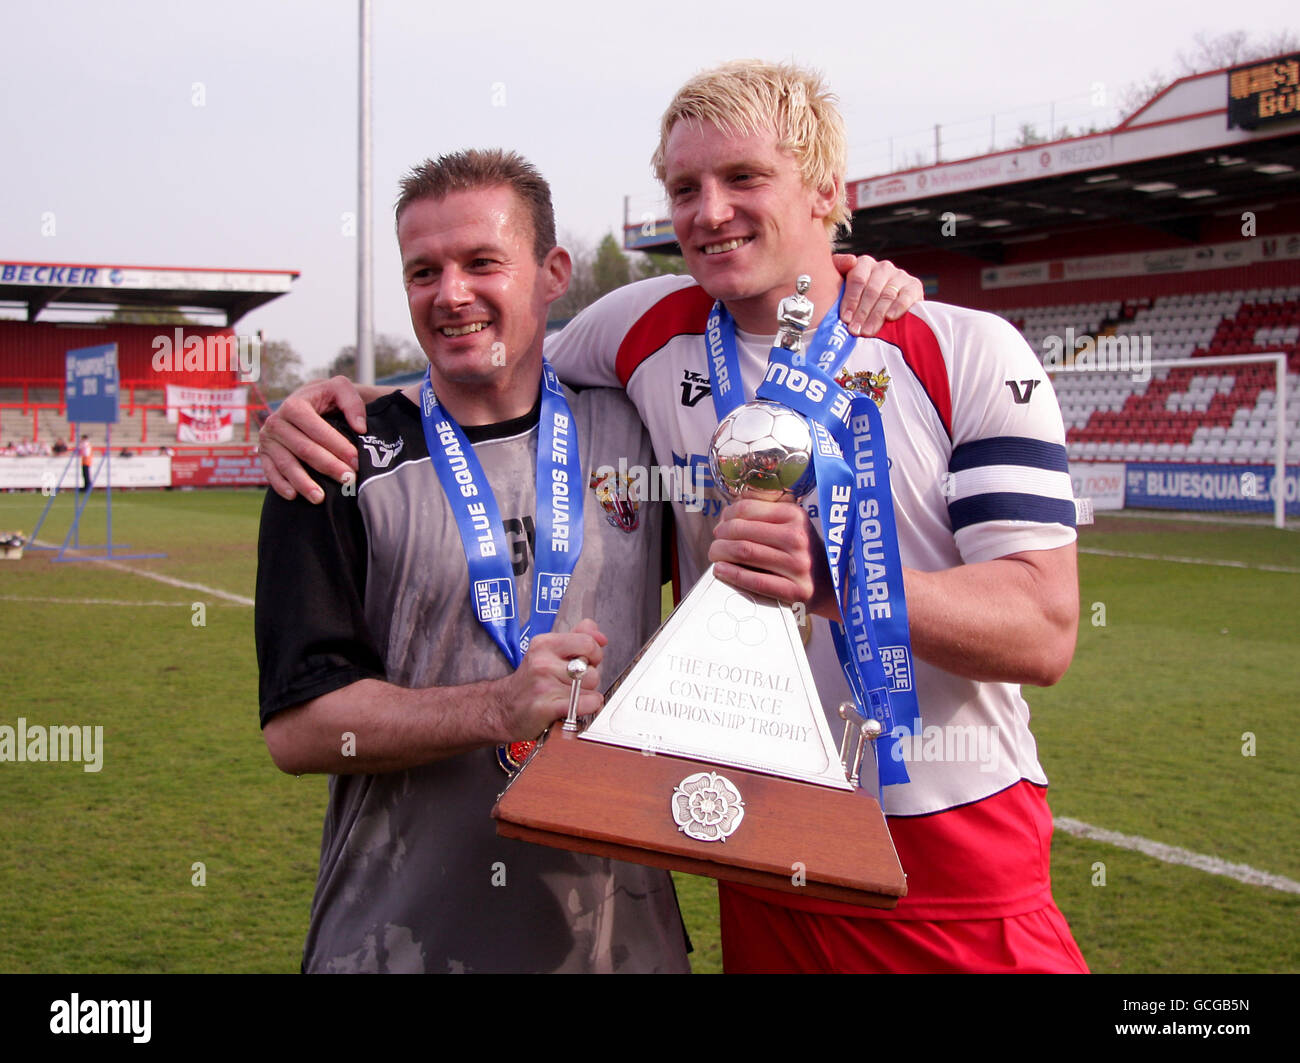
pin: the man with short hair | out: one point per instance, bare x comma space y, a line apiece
414, 630
752, 158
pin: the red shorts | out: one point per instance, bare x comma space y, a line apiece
760, 938
979, 899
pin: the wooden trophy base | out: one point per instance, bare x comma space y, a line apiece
796, 837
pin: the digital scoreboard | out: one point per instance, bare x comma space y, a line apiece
1262, 93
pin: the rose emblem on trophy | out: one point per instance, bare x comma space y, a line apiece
707, 807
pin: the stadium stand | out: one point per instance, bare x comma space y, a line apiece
149, 359
1214, 414
34, 410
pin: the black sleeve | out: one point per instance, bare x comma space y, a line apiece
309, 618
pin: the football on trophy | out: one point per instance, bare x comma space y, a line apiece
762, 450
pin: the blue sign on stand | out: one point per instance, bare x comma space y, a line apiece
91, 386
92, 393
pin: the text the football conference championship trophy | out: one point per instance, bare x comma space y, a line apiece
726, 679
702, 758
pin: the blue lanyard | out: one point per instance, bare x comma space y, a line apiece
831, 345
482, 535
857, 512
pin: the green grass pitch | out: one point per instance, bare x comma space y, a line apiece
1175, 724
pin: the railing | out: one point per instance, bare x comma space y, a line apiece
35, 408
129, 407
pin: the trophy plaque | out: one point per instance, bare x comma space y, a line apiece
712, 754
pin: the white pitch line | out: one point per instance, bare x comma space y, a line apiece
1173, 854
238, 599
1237, 521
1188, 560
87, 601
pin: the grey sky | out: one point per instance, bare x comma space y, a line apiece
101, 126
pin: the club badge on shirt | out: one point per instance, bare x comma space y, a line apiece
614, 493
867, 383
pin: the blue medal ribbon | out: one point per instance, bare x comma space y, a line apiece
831, 345
559, 516
857, 512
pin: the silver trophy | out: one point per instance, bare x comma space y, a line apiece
763, 449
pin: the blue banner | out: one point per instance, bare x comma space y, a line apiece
1177, 485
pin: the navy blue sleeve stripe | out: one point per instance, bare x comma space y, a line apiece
1010, 505
1009, 450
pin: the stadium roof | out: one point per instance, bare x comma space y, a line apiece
1171, 164
37, 286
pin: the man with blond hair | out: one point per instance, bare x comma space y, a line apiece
752, 157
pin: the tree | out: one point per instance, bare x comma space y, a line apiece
281, 369
658, 266
599, 272
582, 284
1028, 135
1207, 53
392, 355
610, 268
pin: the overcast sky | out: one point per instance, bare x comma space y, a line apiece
224, 134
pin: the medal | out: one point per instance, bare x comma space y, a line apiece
558, 501
514, 755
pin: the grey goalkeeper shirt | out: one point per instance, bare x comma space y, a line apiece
374, 584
